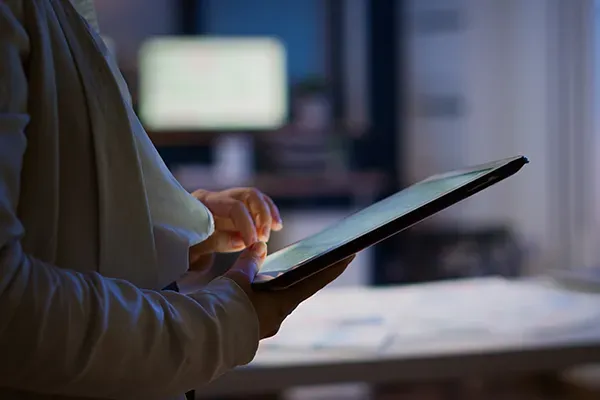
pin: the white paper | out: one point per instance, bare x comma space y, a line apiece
370, 319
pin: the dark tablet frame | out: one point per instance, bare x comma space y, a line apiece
499, 170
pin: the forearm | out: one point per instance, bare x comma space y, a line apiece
67, 333
83, 334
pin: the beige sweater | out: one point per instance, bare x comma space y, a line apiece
86, 232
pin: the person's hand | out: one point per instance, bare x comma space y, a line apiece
273, 307
242, 217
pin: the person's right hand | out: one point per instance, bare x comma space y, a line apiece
273, 307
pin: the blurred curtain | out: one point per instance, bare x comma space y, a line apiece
573, 151
490, 79
129, 23
529, 86
355, 64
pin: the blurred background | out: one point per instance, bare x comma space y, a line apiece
330, 105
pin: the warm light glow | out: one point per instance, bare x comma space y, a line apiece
213, 83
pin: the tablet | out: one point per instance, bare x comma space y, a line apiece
379, 221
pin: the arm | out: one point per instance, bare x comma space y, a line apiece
76, 334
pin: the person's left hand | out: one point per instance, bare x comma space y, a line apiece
242, 217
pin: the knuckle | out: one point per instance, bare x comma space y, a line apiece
253, 196
238, 206
254, 192
284, 309
273, 332
281, 314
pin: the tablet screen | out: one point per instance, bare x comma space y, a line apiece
366, 221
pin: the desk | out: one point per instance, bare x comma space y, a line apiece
575, 342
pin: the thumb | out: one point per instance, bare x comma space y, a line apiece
247, 265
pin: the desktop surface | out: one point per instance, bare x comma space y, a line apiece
442, 330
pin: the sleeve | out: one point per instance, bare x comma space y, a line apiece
66, 333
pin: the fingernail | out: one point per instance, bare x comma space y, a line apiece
259, 248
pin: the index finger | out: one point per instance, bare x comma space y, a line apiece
275, 214
237, 212
244, 223
260, 211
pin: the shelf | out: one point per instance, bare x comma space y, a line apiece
356, 184
182, 138
367, 184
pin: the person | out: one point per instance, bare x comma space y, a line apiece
93, 227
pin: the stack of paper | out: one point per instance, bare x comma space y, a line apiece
494, 307
369, 319
346, 318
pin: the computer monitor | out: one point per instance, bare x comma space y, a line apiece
189, 84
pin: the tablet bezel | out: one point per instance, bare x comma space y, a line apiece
498, 171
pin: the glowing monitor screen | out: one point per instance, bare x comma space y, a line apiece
213, 83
